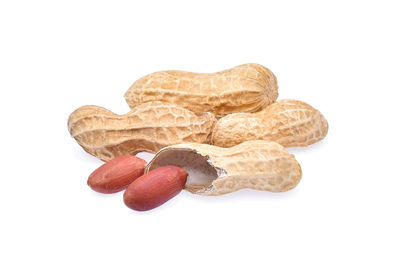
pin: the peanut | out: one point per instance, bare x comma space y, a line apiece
245, 88
287, 122
155, 188
147, 127
213, 170
117, 174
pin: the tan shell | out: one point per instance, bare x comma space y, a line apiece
245, 88
147, 127
213, 170
287, 122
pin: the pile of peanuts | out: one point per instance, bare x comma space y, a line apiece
212, 134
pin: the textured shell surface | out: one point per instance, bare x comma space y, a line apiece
245, 88
146, 128
213, 170
287, 122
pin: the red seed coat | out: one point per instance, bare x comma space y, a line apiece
155, 188
116, 174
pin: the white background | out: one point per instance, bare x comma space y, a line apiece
342, 57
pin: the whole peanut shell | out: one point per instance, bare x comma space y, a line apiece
287, 122
245, 88
213, 170
146, 128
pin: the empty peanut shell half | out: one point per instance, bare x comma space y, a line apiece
213, 170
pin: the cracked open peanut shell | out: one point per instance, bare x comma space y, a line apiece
213, 170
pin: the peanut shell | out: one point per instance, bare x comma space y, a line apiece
287, 122
213, 170
146, 128
245, 88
